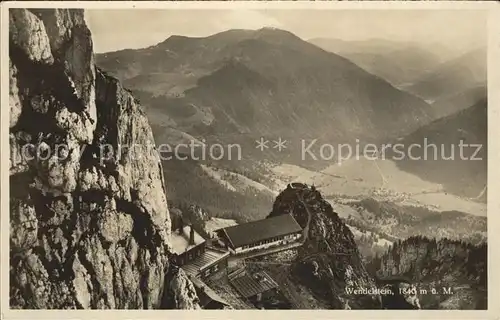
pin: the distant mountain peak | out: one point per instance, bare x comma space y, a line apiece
268, 79
274, 30
175, 40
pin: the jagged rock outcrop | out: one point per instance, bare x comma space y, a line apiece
89, 219
328, 262
451, 274
179, 293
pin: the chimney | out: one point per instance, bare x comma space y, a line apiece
191, 235
181, 225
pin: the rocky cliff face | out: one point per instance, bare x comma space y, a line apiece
452, 274
329, 262
89, 219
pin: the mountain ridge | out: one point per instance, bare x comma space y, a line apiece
329, 261
304, 84
464, 173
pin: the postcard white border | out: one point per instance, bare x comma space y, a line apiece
493, 191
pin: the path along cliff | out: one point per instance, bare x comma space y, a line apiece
89, 224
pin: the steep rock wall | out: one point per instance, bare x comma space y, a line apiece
89, 218
328, 262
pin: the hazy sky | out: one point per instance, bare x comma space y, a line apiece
137, 28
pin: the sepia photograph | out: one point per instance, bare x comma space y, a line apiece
245, 158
